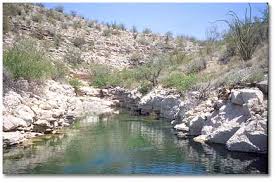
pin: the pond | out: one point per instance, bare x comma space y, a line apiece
124, 145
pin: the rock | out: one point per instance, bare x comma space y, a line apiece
181, 127
65, 124
170, 106
41, 126
218, 104
251, 137
12, 138
223, 133
89, 91
228, 113
12, 99
242, 96
181, 135
45, 106
24, 112
57, 113
200, 139
196, 125
263, 86
12, 123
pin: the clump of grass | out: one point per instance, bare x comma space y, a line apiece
180, 81
26, 60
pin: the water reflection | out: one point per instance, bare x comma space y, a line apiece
126, 145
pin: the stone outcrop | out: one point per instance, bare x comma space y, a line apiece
57, 107
236, 118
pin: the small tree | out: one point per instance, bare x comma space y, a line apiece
151, 70
168, 36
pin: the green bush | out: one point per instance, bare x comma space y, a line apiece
76, 84
100, 76
26, 60
180, 81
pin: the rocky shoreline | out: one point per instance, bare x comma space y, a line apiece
234, 117
26, 115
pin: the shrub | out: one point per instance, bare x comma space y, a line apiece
144, 88
180, 81
152, 69
26, 60
178, 57
59, 9
147, 31
73, 56
195, 65
73, 13
100, 75
76, 84
6, 24
135, 57
78, 42
143, 41
122, 27
57, 40
244, 34
168, 36
134, 29
60, 71
77, 24
107, 32
37, 18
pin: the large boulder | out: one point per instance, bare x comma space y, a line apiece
41, 126
242, 96
12, 99
24, 112
223, 133
12, 138
89, 91
228, 113
196, 125
170, 106
11, 123
263, 86
251, 137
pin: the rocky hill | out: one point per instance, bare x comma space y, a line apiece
100, 43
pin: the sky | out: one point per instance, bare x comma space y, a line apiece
192, 19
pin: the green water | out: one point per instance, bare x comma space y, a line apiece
126, 144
